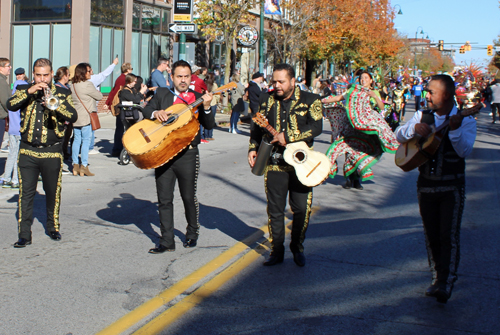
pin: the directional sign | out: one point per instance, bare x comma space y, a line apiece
188, 28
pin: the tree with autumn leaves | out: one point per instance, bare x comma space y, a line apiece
361, 31
357, 30
223, 18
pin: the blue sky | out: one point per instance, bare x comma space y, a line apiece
455, 21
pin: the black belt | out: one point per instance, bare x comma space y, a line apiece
42, 145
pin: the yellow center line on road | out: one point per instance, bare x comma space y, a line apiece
172, 314
149, 307
161, 322
166, 318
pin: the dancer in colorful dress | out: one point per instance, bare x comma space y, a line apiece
359, 132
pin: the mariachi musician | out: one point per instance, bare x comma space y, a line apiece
184, 166
297, 116
441, 182
45, 108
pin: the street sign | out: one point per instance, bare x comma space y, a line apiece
188, 28
183, 10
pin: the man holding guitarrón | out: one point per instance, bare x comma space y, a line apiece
441, 182
185, 165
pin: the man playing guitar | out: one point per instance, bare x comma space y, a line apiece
441, 182
185, 166
296, 116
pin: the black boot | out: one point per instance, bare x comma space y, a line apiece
348, 184
276, 257
357, 184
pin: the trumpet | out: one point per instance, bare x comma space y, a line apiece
51, 102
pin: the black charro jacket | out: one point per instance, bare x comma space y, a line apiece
41, 126
304, 122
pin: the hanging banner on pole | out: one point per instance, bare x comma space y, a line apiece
272, 7
183, 10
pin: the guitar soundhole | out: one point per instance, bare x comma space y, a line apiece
300, 156
170, 120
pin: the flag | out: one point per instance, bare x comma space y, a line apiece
272, 7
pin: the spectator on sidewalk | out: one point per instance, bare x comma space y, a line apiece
5, 93
10, 177
417, 92
119, 84
84, 99
157, 78
254, 92
238, 106
495, 99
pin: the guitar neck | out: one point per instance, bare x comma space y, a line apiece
271, 130
200, 100
463, 113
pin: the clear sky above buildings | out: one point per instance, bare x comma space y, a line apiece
455, 21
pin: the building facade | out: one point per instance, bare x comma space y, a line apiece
94, 31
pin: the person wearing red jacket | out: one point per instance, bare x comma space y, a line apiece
197, 84
119, 83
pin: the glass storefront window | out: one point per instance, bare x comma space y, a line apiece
61, 45
21, 48
107, 11
106, 50
118, 50
145, 47
136, 37
165, 47
105, 44
165, 21
94, 47
136, 16
150, 18
42, 10
41, 41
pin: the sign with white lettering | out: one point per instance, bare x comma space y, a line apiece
189, 28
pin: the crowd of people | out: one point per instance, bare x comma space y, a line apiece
49, 114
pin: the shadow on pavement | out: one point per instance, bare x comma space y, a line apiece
128, 210
225, 221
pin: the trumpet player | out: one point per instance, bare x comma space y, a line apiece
44, 109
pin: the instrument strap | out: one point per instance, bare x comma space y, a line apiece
428, 117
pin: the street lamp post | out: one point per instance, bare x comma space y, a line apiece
400, 12
261, 38
415, 50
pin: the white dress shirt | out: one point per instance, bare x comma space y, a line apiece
462, 138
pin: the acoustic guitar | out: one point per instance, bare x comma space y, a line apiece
152, 143
311, 167
418, 150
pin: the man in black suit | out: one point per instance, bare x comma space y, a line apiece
40, 150
297, 116
254, 92
183, 167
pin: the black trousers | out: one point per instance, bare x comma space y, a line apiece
417, 102
278, 185
495, 109
117, 141
34, 161
441, 209
184, 168
2, 130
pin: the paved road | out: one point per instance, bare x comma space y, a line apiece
366, 263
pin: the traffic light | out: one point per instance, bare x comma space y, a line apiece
467, 46
462, 49
489, 50
441, 45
